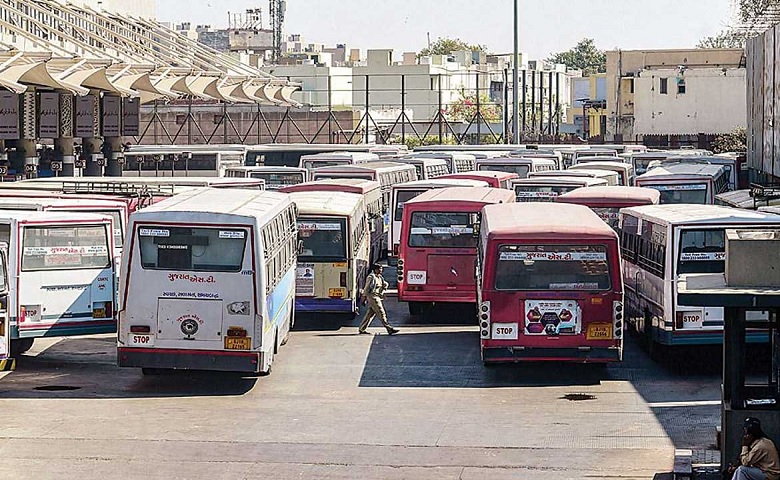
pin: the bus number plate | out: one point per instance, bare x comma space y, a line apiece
599, 331
99, 313
140, 340
237, 343
337, 292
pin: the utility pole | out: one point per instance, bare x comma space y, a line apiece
515, 90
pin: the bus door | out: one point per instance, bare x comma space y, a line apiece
7, 363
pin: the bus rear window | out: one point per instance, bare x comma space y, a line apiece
442, 230
402, 197
552, 268
65, 248
192, 249
323, 239
275, 181
520, 170
702, 251
312, 164
540, 193
674, 194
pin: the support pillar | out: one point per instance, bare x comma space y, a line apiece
27, 158
116, 157
94, 156
64, 152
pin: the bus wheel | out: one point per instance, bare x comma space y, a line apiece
146, 371
417, 309
21, 345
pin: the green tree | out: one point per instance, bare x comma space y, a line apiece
725, 39
735, 141
750, 11
584, 56
465, 108
445, 46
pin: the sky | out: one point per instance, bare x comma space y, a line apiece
546, 26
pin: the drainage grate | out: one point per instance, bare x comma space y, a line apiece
577, 397
57, 388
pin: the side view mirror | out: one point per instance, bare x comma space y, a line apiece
474, 220
300, 247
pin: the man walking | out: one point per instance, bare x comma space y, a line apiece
758, 459
373, 293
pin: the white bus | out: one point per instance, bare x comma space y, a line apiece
686, 182
554, 155
333, 254
522, 166
403, 192
289, 154
72, 183
427, 168
610, 177
181, 160
661, 242
456, 161
730, 164
208, 282
624, 170
274, 177
62, 281
545, 189
319, 160
579, 156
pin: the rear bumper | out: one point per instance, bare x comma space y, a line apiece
527, 354
438, 296
326, 305
189, 359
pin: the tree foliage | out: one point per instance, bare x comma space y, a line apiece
464, 109
735, 141
446, 46
724, 39
752, 10
584, 56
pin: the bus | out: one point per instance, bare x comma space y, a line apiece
554, 155
549, 285
623, 149
625, 171
61, 183
372, 196
521, 166
612, 178
730, 164
580, 156
319, 160
274, 177
743, 179
427, 168
208, 282
498, 147
62, 275
333, 253
686, 182
570, 153
181, 160
743, 199
606, 202
456, 161
661, 242
493, 179
438, 245
289, 154
387, 152
545, 189
404, 192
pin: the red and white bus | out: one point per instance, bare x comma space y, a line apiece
549, 285
607, 201
438, 246
493, 178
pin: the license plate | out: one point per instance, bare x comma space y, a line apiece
140, 339
337, 292
599, 331
99, 313
237, 343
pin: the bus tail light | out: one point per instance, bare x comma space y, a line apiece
400, 270
678, 320
22, 314
236, 332
343, 279
617, 319
483, 315
140, 329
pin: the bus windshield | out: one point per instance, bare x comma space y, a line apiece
65, 248
323, 239
552, 268
312, 164
192, 249
442, 230
702, 251
610, 215
641, 164
116, 219
520, 170
402, 197
275, 181
692, 193
335, 176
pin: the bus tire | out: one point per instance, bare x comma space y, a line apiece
148, 372
416, 309
21, 345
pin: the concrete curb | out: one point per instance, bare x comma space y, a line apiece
683, 464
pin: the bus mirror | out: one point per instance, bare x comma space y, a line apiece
300, 247
474, 220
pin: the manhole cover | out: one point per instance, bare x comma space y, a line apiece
57, 388
577, 397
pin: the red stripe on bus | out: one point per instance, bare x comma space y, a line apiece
187, 352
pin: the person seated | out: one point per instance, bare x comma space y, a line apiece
758, 459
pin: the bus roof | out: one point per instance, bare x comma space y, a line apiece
174, 181
743, 199
5, 201
524, 160
348, 185
265, 169
774, 210
681, 170
549, 221
447, 155
485, 195
361, 167
679, 214
363, 156
594, 196
412, 160
577, 172
440, 182
467, 148
326, 203
480, 174
46, 216
545, 181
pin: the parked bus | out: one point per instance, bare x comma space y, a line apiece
500, 147
62, 275
545, 189
493, 179
623, 149
274, 177
730, 164
372, 195
611, 177
625, 171
427, 168
606, 202
208, 282
661, 242
456, 161
181, 160
641, 161
333, 254
404, 192
743, 180
743, 199
521, 166
579, 156
60, 183
686, 182
549, 285
289, 154
554, 155
388, 152
570, 154
319, 160
438, 245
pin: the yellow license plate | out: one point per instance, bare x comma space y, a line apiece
599, 331
99, 313
238, 343
340, 264
337, 292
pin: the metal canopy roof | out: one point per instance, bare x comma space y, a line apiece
55, 44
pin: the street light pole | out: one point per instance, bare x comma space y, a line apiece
515, 75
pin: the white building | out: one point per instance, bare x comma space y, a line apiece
136, 8
314, 84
